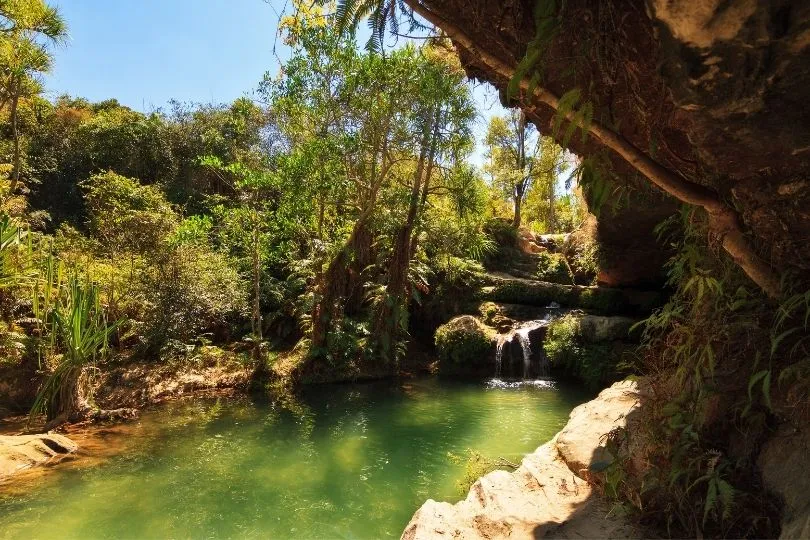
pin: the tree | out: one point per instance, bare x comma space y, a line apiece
724, 220
440, 123
548, 191
252, 183
521, 160
27, 29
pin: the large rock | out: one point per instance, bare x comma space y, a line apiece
599, 328
580, 443
465, 345
548, 495
714, 91
784, 462
20, 452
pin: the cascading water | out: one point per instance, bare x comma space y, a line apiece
522, 333
525, 344
502, 339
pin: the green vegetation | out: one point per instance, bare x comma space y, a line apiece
308, 226
463, 344
315, 233
476, 465
525, 166
595, 364
720, 366
553, 267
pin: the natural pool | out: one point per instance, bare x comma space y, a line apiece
346, 461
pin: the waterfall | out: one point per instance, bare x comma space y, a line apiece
522, 333
502, 339
525, 344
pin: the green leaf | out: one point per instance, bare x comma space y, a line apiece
753, 381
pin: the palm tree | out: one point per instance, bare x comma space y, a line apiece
28, 28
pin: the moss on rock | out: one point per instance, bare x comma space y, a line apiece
598, 299
464, 344
553, 267
588, 347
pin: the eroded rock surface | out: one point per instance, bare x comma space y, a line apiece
548, 495
714, 91
21, 452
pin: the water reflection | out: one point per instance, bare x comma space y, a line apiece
349, 461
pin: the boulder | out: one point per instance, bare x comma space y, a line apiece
548, 495
20, 452
581, 441
599, 328
527, 242
465, 344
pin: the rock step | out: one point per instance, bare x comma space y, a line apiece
505, 288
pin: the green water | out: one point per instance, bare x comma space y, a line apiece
349, 461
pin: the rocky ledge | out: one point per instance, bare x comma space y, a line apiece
20, 452
549, 494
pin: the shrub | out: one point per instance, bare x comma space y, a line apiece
189, 291
502, 231
126, 215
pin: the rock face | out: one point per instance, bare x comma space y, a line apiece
20, 452
548, 495
713, 91
505, 288
597, 328
784, 462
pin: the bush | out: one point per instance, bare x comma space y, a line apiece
502, 231
190, 291
553, 267
126, 215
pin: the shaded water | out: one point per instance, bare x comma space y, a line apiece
349, 461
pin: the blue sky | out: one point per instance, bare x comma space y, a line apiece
147, 52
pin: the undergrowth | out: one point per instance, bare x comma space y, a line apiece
722, 371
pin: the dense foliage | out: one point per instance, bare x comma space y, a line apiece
312, 221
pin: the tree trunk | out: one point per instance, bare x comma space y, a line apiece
257, 315
520, 165
518, 203
724, 221
389, 316
330, 287
67, 401
15, 171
